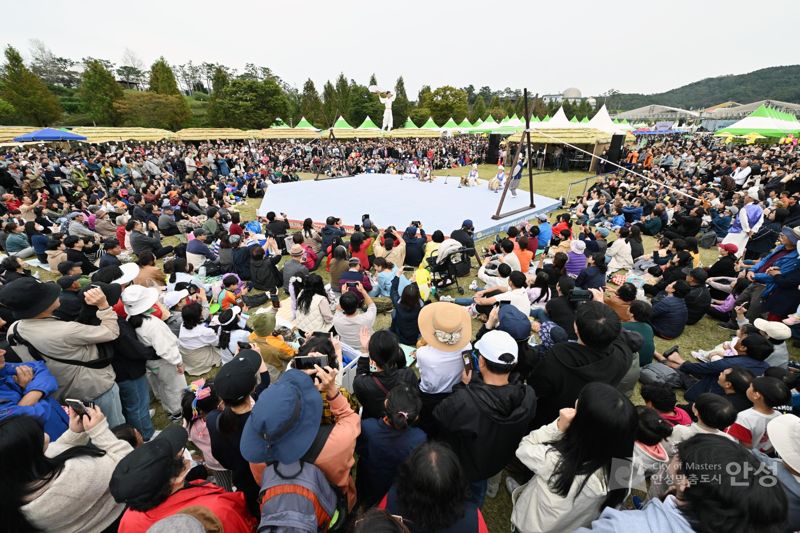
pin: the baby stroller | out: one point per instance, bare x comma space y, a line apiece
452, 262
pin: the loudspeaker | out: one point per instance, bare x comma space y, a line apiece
614, 151
494, 149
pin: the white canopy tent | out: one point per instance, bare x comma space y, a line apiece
602, 121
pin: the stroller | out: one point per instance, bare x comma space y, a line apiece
452, 262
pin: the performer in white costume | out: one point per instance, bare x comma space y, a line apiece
471, 179
387, 98
497, 181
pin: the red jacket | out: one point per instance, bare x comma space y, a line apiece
228, 507
121, 236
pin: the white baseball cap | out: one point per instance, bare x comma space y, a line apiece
774, 330
129, 273
784, 434
495, 344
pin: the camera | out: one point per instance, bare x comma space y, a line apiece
579, 296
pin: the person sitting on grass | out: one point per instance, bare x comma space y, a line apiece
348, 321
661, 397
714, 415
698, 378
750, 428
640, 323
231, 294
669, 314
650, 457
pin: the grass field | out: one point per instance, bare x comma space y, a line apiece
704, 334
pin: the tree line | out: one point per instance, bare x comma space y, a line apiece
53, 90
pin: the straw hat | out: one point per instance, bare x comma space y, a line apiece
445, 326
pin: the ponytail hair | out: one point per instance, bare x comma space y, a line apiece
403, 406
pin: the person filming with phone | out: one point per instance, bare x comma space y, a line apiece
348, 321
486, 416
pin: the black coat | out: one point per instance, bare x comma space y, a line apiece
87, 267
484, 424
785, 297
371, 388
697, 302
562, 313
264, 273
567, 367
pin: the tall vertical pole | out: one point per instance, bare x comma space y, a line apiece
528, 143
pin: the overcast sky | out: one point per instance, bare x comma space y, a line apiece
545, 46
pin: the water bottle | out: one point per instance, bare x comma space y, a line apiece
202, 271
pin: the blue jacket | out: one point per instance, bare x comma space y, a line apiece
47, 411
618, 220
708, 373
669, 317
39, 243
720, 223
383, 287
633, 213
787, 264
545, 234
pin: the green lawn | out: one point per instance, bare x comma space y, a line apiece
704, 334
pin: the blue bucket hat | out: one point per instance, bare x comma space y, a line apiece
284, 421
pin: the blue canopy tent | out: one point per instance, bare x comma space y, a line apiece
49, 134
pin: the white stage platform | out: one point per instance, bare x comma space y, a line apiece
391, 201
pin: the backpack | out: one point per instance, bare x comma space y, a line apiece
298, 498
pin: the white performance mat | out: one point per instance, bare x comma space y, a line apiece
392, 201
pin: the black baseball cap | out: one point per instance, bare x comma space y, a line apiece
66, 266
237, 378
145, 471
65, 282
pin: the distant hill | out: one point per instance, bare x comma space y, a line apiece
773, 83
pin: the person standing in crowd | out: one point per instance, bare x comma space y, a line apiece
485, 417
61, 485
69, 348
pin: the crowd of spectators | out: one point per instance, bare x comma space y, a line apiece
283, 404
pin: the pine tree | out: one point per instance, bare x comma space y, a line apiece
311, 104
98, 92
401, 105
478, 109
26, 93
162, 79
219, 81
342, 96
329, 106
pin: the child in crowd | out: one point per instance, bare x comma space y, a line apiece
650, 458
727, 348
750, 428
385, 443
734, 383
661, 397
198, 400
231, 294
714, 415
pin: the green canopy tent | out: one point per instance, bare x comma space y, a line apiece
465, 125
429, 125
478, 122
764, 121
585, 120
304, 124
368, 124
341, 124
574, 119
409, 125
546, 118
505, 120
490, 124
450, 124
